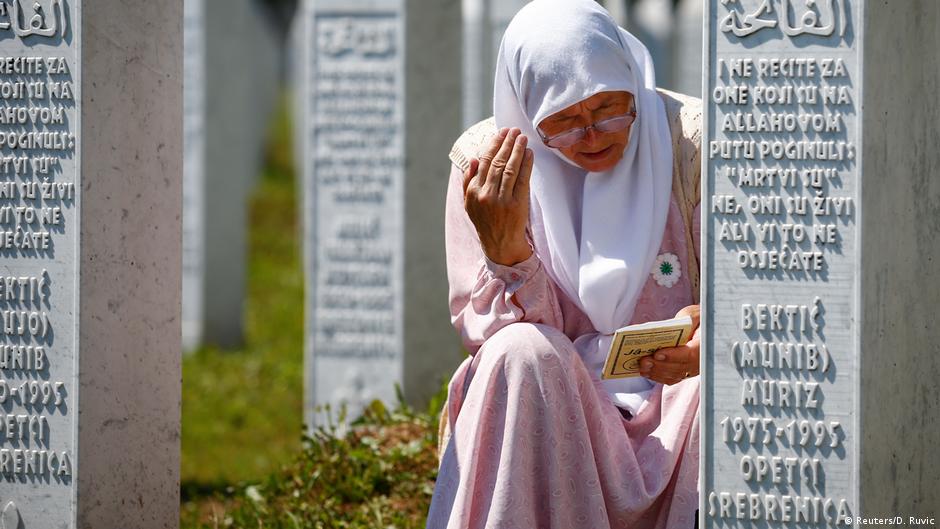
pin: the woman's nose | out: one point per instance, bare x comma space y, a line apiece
590, 135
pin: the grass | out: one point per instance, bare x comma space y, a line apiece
246, 462
242, 409
380, 474
241, 416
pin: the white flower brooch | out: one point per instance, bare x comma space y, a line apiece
666, 270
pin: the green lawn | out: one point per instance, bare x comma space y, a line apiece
378, 475
242, 408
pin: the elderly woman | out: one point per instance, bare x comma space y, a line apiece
556, 230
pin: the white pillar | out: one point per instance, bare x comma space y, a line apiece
687, 51
375, 176
618, 9
194, 182
821, 243
652, 23
484, 22
236, 63
90, 346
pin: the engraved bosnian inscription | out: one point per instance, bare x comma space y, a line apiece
39, 181
781, 163
357, 172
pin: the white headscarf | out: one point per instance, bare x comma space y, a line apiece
597, 233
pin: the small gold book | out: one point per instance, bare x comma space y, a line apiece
633, 342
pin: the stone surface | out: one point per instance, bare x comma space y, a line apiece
484, 22
652, 22
618, 10
821, 224
687, 47
234, 57
432, 124
900, 226
194, 150
375, 171
89, 352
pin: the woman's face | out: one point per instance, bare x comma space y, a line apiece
597, 151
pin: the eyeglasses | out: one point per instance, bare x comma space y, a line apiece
570, 137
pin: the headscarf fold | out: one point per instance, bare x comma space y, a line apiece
597, 233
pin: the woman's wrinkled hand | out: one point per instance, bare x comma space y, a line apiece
496, 197
670, 365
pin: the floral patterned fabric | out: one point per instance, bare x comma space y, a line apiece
536, 442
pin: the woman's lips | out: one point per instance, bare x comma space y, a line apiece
597, 155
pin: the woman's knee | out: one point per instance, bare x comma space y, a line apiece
530, 347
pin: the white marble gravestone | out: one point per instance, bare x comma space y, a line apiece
233, 65
294, 57
90, 170
484, 22
652, 22
381, 97
687, 47
618, 10
820, 401
194, 147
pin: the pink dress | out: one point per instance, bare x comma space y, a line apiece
536, 442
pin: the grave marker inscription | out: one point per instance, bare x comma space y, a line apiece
357, 157
39, 137
89, 264
377, 126
789, 312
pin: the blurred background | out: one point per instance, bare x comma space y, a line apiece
315, 166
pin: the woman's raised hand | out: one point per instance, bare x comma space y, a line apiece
496, 197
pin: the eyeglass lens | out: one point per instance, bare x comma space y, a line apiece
614, 124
